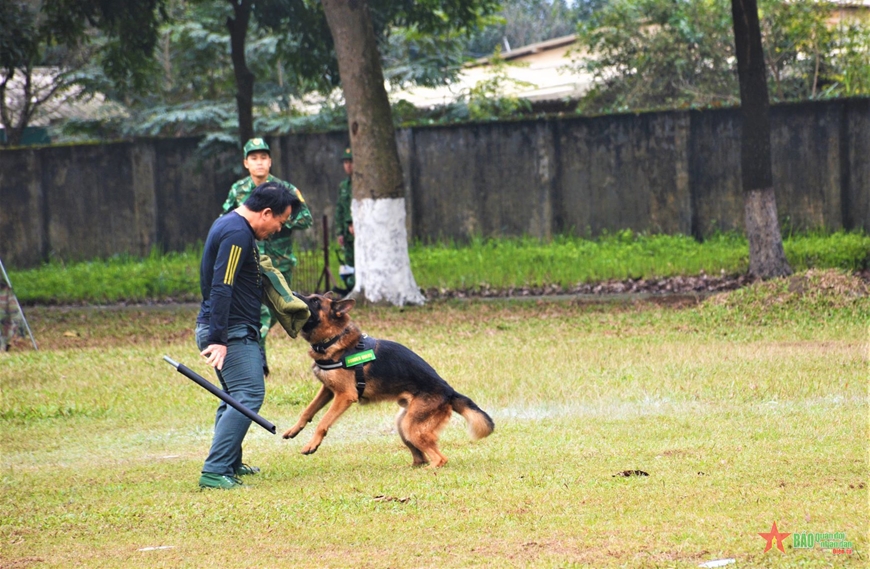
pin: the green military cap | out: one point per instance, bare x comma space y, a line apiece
256, 144
346, 155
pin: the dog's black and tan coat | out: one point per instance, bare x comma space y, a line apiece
396, 374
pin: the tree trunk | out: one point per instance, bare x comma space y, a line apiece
15, 120
383, 268
238, 28
766, 255
12, 135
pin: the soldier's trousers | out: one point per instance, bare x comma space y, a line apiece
347, 250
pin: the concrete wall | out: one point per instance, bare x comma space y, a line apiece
628, 171
481, 180
82, 202
855, 164
672, 172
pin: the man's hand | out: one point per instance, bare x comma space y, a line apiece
341, 240
214, 355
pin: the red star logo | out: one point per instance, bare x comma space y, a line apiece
774, 534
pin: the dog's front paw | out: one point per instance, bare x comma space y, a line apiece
309, 448
292, 432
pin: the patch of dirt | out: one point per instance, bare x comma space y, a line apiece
20, 563
627, 473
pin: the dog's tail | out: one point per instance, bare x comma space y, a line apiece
479, 423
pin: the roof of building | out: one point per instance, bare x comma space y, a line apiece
537, 72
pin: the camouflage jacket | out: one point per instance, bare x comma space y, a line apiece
343, 216
279, 247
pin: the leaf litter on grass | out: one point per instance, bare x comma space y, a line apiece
829, 288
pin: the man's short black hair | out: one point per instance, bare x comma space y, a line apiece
275, 196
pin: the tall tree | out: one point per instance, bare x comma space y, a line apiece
305, 47
766, 255
238, 27
667, 54
383, 268
22, 94
128, 29
45, 45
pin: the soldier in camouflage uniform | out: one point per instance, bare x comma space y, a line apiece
11, 322
279, 248
344, 221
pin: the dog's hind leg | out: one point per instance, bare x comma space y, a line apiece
340, 404
402, 423
425, 419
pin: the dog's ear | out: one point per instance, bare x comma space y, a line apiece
329, 294
342, 307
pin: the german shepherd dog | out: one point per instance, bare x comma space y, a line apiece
391, 372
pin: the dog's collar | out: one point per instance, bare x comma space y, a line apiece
321, 347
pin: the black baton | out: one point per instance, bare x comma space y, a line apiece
220, 394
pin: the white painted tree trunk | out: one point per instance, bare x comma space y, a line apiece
382, 266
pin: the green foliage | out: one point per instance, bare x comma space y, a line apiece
413, 57
659, 53
36, 70
191, 91
567, 261
850, 251
193, 56
431, 16
671, 54
302, 59
191, 86
331, 116
121, 278
498, 263
406, 114
849, 73
524, 22
797, 43
129, 34
18, 34
491, 99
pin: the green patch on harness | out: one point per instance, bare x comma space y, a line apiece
359, 358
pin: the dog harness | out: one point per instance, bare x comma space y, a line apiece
320, 347
354, 358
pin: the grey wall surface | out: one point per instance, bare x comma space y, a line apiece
671, 172
855, 164
629, 171
94, 201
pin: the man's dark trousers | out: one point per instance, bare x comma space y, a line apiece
241, 377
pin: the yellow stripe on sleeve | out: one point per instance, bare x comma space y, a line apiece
232, 263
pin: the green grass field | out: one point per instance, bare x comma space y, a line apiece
480, 264
744, 410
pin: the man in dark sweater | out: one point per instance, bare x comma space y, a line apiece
227, 327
